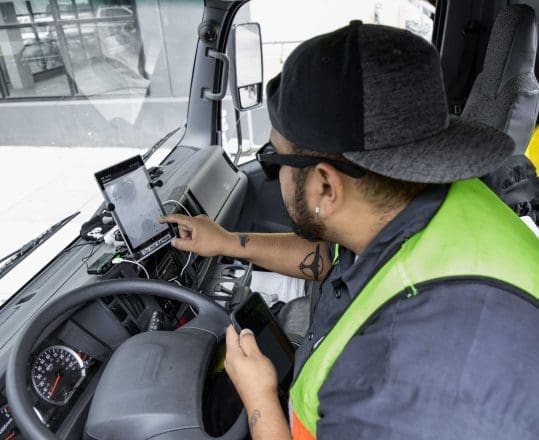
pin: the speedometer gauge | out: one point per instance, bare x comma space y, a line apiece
56, 374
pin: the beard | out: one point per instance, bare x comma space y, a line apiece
306, 225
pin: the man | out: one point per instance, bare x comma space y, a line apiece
427, 324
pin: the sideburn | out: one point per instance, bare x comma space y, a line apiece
307, 225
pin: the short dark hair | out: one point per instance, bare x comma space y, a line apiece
384, 193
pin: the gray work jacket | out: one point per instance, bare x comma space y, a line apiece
458, 361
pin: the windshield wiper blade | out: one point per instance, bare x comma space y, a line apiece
10, 261
160, 143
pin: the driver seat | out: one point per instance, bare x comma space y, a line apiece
505, 95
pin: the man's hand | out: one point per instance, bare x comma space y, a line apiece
252, 373
199, 235
255, 379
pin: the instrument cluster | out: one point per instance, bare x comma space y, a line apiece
57, 376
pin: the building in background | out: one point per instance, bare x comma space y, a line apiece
95, 72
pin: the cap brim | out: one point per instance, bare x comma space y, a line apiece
464, 150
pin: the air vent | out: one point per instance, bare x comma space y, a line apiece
118, 311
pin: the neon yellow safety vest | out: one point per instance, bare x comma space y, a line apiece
473, 234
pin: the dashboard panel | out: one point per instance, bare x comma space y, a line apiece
66, 364
8, 428
59, 374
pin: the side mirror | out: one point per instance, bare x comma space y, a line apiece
246, 70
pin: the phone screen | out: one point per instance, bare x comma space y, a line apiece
255, 315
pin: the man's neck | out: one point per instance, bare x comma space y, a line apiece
360, 226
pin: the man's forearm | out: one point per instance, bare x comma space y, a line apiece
267, 420
284, 253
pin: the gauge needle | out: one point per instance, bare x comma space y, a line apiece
55, 384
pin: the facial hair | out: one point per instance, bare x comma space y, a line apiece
306, 225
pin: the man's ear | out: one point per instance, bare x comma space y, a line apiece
328, 189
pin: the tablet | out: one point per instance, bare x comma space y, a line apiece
135, 207
255, 315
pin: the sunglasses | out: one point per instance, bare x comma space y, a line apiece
271, 162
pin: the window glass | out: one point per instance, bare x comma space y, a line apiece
106, 58
31, 63
85, 49
280, 37
31, 11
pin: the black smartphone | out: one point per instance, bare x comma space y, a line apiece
255, 315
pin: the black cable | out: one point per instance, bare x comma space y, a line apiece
67, 249
85, 259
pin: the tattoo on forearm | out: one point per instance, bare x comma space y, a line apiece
244, 239
254, 418
312, 265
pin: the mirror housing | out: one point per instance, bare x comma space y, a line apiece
246, 67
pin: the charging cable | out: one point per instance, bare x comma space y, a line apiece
181, 205
188, 305
178, 204
118, 260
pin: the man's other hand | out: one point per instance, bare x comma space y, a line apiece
252, 373
199, 235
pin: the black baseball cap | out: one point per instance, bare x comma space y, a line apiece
375, 94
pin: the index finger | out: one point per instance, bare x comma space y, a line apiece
179, 219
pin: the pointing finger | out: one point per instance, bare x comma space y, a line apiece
179, 219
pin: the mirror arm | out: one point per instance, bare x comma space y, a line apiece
239, 135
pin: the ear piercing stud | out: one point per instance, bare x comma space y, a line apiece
317, 210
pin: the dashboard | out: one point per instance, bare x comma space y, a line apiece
66, 364
59, 375
8, 429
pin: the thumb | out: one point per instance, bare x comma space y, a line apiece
248, 343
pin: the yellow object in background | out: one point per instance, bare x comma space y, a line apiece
532, 152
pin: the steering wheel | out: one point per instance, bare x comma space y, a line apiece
211, 320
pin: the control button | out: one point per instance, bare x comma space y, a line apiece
157, 321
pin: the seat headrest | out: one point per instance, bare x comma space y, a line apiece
511, 49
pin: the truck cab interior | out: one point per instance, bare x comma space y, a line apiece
141, 348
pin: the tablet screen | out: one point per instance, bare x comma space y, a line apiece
136, 206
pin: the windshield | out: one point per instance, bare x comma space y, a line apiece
83, 84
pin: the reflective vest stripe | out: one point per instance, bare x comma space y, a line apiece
335, 254
472, 234
299, 432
